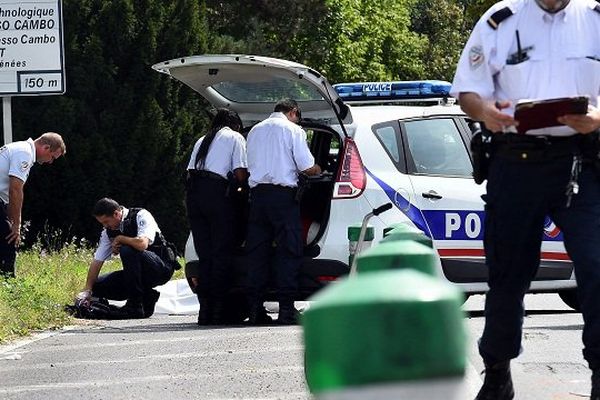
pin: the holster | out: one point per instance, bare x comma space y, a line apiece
303, 184
481, 151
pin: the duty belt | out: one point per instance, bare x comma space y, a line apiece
194, 173
536, 148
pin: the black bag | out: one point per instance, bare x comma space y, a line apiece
95, 308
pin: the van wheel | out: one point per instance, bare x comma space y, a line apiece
570, 298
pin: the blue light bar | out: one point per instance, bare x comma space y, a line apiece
396, 90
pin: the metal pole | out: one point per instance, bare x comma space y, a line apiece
7, 119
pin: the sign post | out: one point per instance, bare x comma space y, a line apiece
31, 52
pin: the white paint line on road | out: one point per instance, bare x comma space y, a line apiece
6, 348
168, 356
137, 380
125, 343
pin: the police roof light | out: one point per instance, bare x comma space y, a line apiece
397, 90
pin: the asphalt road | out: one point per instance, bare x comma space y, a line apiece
171, 357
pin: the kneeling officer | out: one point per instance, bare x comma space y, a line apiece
134, 235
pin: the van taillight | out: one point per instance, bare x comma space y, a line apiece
351, 179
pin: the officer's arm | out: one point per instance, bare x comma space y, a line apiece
140, 243
314, 170
485, 111
92, 276
15, 203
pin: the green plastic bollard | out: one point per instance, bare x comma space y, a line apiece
384, 328
419, 236
398, 254
401, 226
353, 236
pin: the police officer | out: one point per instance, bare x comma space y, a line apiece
134, 235
16, 159
220, 154
535, 49
277, 153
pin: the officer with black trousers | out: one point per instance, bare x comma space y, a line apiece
134, 235
216, 171
540, 50
277, 153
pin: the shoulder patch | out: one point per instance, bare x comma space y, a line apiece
498, 17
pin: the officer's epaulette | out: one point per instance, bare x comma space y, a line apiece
498, 17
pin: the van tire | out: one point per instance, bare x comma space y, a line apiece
570, 298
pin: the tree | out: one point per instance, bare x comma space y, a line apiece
127, 128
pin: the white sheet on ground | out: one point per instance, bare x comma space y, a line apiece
176, 297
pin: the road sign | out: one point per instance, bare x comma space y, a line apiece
31, 48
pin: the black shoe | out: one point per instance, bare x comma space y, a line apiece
595, 385
258, 316
288, 315
497, 384
150, 299
133, 309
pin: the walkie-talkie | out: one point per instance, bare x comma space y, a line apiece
521, 54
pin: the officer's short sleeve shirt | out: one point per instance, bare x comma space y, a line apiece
560, 56
147, 227
277, 152
227, 153
16, 160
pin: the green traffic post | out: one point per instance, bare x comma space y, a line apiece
402, 234
398, 254
400, 331
402, 227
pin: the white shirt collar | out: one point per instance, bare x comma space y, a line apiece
32, 144
278, 114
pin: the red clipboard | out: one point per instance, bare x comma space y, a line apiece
538, 114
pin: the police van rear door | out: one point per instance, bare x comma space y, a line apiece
251, 85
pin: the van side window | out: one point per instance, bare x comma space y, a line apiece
436, 148
388, 134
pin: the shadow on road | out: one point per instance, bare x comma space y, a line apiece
160, 327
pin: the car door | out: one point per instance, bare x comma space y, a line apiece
440, 170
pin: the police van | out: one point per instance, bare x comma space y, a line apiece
377, 142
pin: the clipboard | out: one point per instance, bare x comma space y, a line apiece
537, 114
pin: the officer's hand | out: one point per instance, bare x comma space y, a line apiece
15, 234
83, 297
494, 119
587, 123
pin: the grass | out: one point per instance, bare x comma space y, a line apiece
45, 282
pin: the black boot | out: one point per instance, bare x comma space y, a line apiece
204, 315
595, 385
133, 309
150, 299
288, 315
497, 384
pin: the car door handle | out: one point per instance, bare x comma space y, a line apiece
432, 194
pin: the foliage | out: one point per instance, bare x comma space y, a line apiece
45, 282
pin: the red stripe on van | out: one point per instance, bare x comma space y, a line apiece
546, 255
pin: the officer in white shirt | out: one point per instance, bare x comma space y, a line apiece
16, 159
217, 169
535, 49
135, 236
277, 153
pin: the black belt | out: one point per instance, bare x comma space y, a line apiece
537, 147
269, 187
194, 173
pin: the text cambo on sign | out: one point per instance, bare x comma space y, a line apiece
31, 48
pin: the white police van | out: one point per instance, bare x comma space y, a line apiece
376, 142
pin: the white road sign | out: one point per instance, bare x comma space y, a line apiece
31, 48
